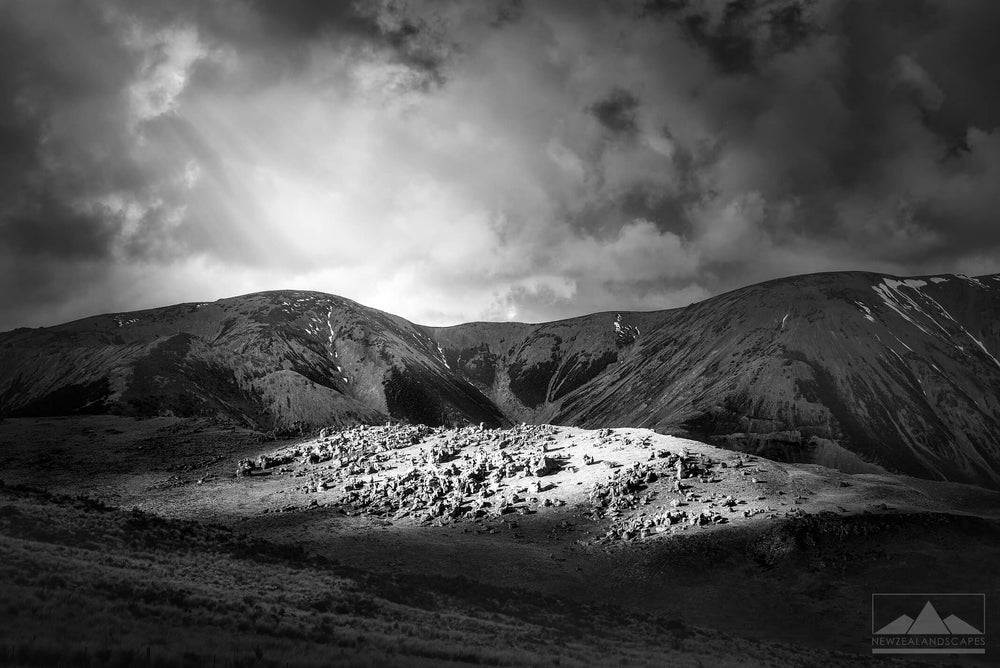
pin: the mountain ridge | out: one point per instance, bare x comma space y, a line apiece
857, 370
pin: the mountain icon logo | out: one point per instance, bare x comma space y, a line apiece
928, 622
945, 624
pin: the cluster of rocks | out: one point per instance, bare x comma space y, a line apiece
625, 335
632, 487
450, 483
247, 466
428, 475
624, 488
466, 472
367, 439
645, 525
355, 448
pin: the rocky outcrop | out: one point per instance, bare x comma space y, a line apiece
625, 335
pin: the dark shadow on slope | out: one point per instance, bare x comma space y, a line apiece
420, 396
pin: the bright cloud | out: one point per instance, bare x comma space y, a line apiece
458, 161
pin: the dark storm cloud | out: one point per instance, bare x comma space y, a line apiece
481, 160
508, 12
48, 229
729, 44
616, 112
736, 33
307, 18
34, 85
855, 125
414, 39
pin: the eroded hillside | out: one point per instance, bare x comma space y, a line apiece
853, 370
859, 371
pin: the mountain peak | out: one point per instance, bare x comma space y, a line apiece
859, 371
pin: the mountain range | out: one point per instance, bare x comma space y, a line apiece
863, 372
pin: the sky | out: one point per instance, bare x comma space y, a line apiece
489, 160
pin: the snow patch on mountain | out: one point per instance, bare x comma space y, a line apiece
982, 347
892, 294
442, 357
865, 310
974, 281
902, 343
898, 301
124, 321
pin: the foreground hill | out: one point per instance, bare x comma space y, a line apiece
858, 371
85, 584
407, 545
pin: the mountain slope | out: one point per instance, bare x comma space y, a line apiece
853, 370
273, 360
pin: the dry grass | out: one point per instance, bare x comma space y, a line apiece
85, 584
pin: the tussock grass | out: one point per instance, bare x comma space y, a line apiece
84, 584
